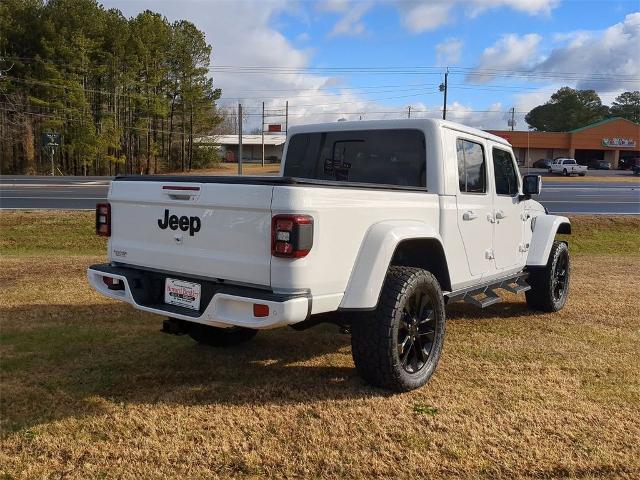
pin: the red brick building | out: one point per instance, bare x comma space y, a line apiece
609, 140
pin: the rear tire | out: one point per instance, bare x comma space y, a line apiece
550, 284
398, 345
220, 337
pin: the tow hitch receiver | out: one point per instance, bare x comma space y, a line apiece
173, 326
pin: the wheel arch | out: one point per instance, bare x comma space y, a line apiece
545, 229
411, 253
393, 243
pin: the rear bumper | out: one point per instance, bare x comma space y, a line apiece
221, 306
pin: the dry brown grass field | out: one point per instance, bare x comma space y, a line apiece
91, 389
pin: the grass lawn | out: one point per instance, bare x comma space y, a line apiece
232, 169
625, 177
89, 388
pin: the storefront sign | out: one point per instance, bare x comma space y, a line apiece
618, 142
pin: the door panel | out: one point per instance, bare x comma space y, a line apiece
507, 211
474, 204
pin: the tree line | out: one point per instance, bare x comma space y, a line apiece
126, 95
568, 109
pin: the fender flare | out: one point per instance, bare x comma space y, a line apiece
544, 232
373, 259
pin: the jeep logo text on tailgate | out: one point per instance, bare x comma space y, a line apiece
184, 223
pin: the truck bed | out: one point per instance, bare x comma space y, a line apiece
260, 180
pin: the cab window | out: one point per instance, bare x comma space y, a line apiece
505, 174
471, 167
386, 157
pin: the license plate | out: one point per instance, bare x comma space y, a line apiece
182, 294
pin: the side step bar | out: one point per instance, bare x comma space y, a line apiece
484, 294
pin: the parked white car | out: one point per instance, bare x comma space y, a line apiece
567, 166
374, 226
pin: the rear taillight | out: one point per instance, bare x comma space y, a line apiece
291, 235
103, 219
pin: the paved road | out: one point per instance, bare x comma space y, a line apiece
78, 193
591, 198
60, 193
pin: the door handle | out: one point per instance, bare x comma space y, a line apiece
469, 215
500, 215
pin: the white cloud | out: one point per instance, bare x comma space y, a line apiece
449, 51
424, 15
351, 22
493, 117
420, 17
511, 52
605, 61
531, 7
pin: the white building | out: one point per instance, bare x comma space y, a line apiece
251, 147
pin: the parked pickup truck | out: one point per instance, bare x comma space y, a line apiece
567, 166
374, 226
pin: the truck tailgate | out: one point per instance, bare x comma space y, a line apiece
206, 229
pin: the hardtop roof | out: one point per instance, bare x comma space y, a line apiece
418, 123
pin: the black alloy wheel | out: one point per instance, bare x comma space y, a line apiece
416, 331
398, 345
560, 275
550, 284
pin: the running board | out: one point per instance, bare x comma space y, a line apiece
513, 283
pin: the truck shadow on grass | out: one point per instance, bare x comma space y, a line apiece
70, 361
65, 361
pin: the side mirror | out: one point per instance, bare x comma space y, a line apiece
531, 185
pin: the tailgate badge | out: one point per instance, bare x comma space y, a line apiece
184, 223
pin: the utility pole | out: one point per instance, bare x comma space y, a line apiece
409, 113
513, 113
239, 139
443, 88
286, 118
262, 131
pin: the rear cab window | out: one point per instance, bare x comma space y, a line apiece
386, 157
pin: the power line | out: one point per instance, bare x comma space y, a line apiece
406, 69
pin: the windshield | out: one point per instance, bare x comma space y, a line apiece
388, 157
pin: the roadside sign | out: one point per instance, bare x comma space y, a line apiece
50, 139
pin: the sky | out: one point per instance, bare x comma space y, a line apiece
373, 59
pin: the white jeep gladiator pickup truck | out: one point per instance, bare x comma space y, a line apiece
374, 226
567, 166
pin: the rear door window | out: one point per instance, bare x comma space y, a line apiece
387, 157
471, 167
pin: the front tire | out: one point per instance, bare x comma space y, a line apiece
398, 345
220, 337
565, 172
550, 284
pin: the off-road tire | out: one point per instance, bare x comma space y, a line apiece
565, 172
544, 281
220, 337
375, 342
